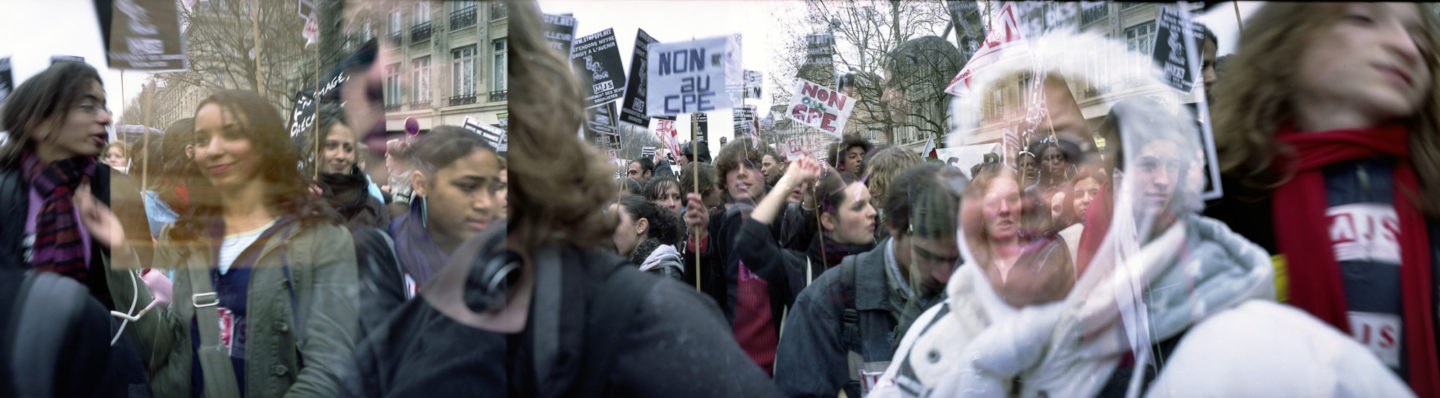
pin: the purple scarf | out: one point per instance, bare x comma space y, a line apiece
59, 243
416, 250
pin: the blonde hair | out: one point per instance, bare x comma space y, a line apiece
124, 149
563, 182
1253, 100
881, 169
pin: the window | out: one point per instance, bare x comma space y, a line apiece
367, 32
1091, 11
462, 14
1141, 38
498, 11
499, 65
422, 79
463, 71
395, 22
392, 85
422, 12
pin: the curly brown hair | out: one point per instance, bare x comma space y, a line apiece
1253, 100
742, 149
882, 168
562, 182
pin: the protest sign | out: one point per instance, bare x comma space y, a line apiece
596, 58
819, 49
820, 107
302, 114
632, 109
145, 35
754, 80
1004, 41
1171, 47
701, 122
492, 134
600, 123
745, 121
689, 77
72, 58
647, 151
7, 79
559, 32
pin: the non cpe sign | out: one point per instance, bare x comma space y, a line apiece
820, 107
690, 77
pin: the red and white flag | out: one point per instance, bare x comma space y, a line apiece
1004, 41
929, 151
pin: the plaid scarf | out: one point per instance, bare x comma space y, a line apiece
58, 240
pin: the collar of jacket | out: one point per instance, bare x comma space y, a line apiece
870, 291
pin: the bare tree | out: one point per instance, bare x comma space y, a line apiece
221, 41
867, 35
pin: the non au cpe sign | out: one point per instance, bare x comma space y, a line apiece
689, 77
820, 107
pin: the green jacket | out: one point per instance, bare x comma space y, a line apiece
321, 260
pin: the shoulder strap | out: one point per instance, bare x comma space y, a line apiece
611, 312
48, 304
850, 317
216, 370
12, 189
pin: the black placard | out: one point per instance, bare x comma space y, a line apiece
145, 35
633, 109
560, 32
1170, 50
596, 59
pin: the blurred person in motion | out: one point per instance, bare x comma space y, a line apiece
1169, 302
456, 181
117, 156
535, 308
398, 166
647, 234
57, 122
843, 329
264, 287
1330, 159
880, 170
772, 165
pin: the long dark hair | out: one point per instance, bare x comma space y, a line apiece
655, 188
665, 226
41, 101
286, 190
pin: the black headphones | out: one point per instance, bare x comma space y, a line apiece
492, 272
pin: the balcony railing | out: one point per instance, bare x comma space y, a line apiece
421, 104
498, 96
461, 18
392, 107
395, 38
420, 32
461, 100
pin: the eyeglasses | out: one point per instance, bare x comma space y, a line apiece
92, 109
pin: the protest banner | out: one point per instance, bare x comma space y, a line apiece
600, 123
647, 151
632, 109
7, 79
754, 80
1005, 40
820, 107
494, 135
819, 49
559, 32
145, 35
745, 122
302, 114
701, 123
690, 77
667, 133
1171, 45
596, 59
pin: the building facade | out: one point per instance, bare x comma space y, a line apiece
445, 60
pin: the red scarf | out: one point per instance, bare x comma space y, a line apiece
59, 245
1302, 235
1097, 223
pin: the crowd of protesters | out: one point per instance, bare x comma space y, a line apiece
1082, 261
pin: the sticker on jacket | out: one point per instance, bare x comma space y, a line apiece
232, 332
411, 288
870, 375
1365, 232
1379, 332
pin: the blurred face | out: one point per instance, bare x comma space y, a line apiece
1085, 192
853, 157
670, 199
936, 258
462, 198
115, 157
1371, 62
1002, 208
80, 132
1064, 114
635, 173
1207, 70
854, 220
1155, 172
502, 196
629, 233
744, 183
1029, 169
1057, 205
771, 168
681, 160
798, 194
338, 150
1054, 162
223, 150
712, 198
